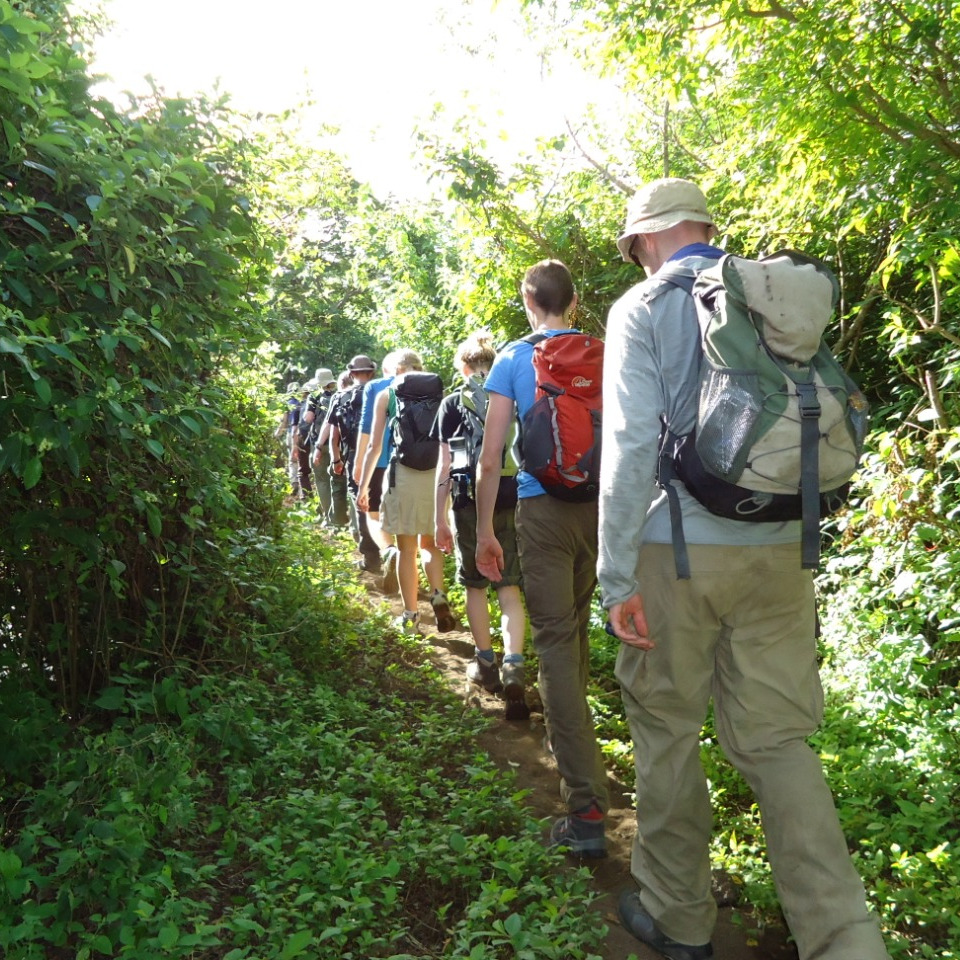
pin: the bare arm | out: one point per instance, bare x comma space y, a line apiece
443, 535
372, 453
500, 412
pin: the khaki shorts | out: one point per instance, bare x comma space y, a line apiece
407, 508
465, 530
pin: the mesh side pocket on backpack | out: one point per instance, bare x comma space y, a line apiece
729, 406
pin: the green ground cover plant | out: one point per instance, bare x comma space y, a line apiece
326, 802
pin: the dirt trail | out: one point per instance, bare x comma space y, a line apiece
518, 746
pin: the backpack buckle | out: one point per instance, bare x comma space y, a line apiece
808, 401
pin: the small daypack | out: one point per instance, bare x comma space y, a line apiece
416, 399
780, 426
560, 434
465, 450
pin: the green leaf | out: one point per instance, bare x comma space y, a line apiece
32, 473
154, 521
111, 698
155, 447
23, 293
458, 843
44, 392
9, 346
10, 864
168, 936
37, 225
296, 944
191, 424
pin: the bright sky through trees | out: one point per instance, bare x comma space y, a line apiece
372, 68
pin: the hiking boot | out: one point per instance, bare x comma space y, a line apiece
484, 673
389, 583
370, 563
513, 680
641, 925
441, 609
407, 625
580, 836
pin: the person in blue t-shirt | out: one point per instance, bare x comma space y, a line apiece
558, 560
388, 552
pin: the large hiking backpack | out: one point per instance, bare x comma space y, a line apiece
560, 434
780, 426
416, 396
465, 450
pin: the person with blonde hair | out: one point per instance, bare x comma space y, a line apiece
406, 501
459, 429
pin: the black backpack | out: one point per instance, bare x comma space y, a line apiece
349, 410
414, 402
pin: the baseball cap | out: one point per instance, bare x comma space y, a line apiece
360, 363
659, 205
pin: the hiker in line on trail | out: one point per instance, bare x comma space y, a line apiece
380, 457
558, 555
344, 422
341, 507
459, 429
404, 414
313, 418
297, 456
285, 433
741, 629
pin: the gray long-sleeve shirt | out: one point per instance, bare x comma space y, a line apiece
651, 370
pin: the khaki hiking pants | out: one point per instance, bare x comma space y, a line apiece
742, 630
558, 559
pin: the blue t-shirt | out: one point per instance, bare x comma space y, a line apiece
370, 391
512, 376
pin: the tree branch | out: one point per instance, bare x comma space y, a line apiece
604, 172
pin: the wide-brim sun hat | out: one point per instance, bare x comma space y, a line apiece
293, 387
361, 363
323, 376
662, 204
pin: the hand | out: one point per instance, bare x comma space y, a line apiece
443, 537
630, 624
337, 467
489, 558
363, 500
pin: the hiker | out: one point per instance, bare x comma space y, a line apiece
340, 503
407, 502
312, 419
459, 427
741, 628
380, 458
284, 433
344, 422
558, 554
299, 458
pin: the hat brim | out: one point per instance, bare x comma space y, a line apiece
655, 225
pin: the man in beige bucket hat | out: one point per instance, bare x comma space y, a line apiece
741, 629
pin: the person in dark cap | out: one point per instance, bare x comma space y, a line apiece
344, 422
